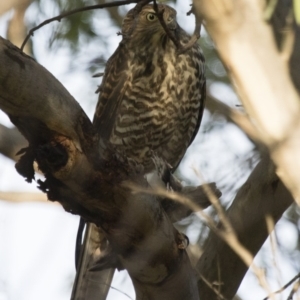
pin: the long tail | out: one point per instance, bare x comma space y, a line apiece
91, 284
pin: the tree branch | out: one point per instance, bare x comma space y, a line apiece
23, 197
237, 30
262, 194
75, 11
89, 179
284, 287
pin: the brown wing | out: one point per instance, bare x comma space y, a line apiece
203, 96
201, 109
112, 89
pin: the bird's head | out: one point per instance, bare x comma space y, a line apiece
146, 26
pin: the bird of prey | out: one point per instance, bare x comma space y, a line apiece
151, 101
151, 98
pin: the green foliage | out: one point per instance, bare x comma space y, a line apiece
72, 28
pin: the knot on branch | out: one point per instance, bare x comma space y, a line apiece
51, 157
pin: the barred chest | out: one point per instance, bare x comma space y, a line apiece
160, 106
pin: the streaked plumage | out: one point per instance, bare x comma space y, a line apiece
151, 98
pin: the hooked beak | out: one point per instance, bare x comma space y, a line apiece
171, 24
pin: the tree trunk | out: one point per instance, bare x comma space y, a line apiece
261, 76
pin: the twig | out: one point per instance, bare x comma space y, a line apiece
194, 38
284, 287
294, 290
98, 74
140, 5
196, 35
113, 288
273, 241
75, 11
230, 237
170, 34
212, 286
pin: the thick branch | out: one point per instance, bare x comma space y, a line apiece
246, 45
263, 194
91, 181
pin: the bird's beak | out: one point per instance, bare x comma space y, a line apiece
172, 24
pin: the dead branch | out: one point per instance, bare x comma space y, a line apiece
295, 288
262, 194
284, 287
75, 11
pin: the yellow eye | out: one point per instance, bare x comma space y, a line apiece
151, 17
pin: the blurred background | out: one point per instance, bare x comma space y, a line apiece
37, 238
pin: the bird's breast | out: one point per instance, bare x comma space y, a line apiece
160, 108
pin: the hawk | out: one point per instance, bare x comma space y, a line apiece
151, 98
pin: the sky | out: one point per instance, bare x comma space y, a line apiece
37, 240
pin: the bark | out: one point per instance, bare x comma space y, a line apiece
262, 194
246, 45
11, 141
89, 179
260, 73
